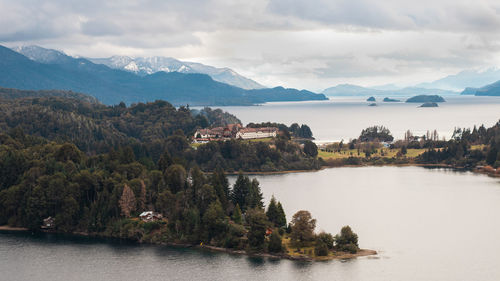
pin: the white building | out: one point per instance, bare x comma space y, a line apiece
257, 133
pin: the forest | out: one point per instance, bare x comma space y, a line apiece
103, 194
150, 130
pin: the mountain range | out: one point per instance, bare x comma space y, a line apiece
146, 65
55, 70
354, 90
464, 79
492, 89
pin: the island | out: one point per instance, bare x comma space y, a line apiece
372, 104
426, 98
429, 104
371, 99
386, 99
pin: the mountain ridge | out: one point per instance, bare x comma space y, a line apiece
112, 86
355, 90
144, 65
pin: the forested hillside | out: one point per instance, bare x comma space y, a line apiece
112, 86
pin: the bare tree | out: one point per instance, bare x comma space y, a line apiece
127, 201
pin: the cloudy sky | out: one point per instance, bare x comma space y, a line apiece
309, 44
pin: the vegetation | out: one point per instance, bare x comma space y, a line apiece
149, 130
376, 133
294, 131
95, 168
426, 99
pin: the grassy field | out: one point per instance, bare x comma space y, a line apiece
411, 153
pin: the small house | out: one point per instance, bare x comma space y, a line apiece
48, 223
150, 216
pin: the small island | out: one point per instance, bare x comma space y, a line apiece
426, 98
386, 99
429, 104
371, 99
372, 104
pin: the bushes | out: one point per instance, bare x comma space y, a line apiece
347, 240
321, 249
275, 245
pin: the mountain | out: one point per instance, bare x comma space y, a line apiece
112, 86
354, 90
488, 90
467, 78
150, 65
146, 66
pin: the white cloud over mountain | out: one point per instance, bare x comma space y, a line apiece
306, 44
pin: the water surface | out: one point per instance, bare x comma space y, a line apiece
344, 118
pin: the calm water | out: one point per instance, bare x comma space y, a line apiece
342, 118
427, 224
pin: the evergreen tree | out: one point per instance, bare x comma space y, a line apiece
257, 220
281, 219
220, 183
141, 202
237, 218
275, 243
255, 199
272, 211
241, 191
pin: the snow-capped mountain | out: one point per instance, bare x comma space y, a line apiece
144, 66
42, 55
149, 65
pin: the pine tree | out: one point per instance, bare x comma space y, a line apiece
272, 211
142, 197
127, 201
221, 185
255, 198
281, 219
237, 218
241, 191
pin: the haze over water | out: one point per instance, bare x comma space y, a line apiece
344, 118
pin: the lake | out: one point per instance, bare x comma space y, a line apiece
427, 224
344, 118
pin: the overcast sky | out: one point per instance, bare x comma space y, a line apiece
309, 44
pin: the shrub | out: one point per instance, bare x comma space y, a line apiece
351, 248
321, 249
325, 238
275, 244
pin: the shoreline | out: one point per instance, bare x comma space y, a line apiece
335, 256
446, 166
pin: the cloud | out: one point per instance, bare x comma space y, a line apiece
306, 44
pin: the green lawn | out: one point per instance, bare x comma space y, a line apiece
411, 153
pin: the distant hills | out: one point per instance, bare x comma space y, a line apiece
354, 90
146, 65
464, 79
488, 90
55, 70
